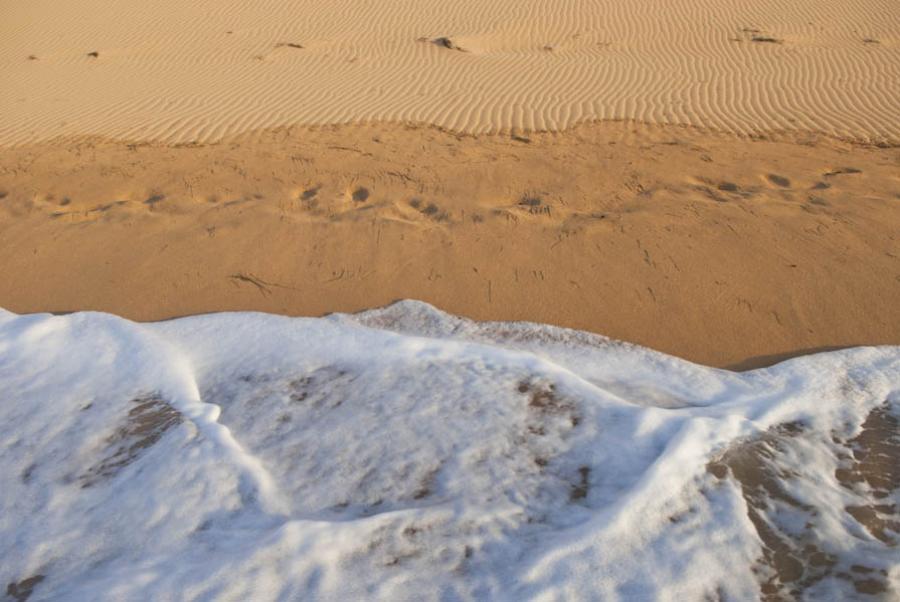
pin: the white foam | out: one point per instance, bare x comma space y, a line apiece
407, 454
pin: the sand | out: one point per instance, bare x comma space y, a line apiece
202, 70
720, 249
719, 181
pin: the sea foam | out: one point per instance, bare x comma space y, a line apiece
404, 453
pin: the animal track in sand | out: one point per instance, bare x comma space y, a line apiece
712, 189
429, 210
443, 42
779, 181
750, 34
841, 171
310, 193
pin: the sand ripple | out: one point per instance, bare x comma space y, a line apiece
202, 70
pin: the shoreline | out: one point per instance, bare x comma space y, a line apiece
707, 246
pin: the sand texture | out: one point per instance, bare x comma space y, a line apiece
722, 250
202, 70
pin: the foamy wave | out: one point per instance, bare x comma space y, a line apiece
404, 453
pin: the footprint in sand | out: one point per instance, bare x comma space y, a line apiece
310, 193
429, 210
779, 181
534, 204
360, 195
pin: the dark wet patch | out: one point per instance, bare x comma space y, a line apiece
544, 399
426, 485
20, 591
313, 388
580, 489
791, 562
360, 195
27, 473
794, 559
874, 464
147, 422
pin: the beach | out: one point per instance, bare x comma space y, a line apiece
727, 251
719, 184
417, 300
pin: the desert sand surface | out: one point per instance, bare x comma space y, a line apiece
199, 71
724, 250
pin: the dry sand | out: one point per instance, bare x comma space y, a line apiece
172, 158
723, 250
201, 70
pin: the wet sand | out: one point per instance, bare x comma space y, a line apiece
722, 249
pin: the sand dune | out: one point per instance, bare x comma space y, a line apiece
203, 70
